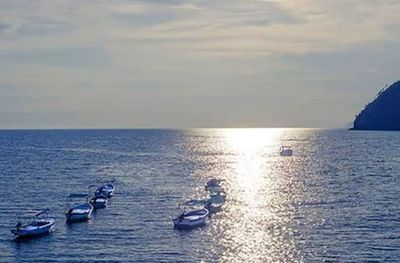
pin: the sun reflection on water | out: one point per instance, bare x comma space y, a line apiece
250, 147
257, 216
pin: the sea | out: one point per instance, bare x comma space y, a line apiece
335, 200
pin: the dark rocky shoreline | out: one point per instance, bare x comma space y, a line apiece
383, 113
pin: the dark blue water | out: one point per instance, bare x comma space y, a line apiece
336, 199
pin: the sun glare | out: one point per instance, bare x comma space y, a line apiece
254, 187
250, 148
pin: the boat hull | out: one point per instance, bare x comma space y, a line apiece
216, 199
78, 217
215, 189
188, 222
79, 213
99, 202
33, 232
99, 205
214, 208
106, 190
286, 153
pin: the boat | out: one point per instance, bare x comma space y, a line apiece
191, 219
215, 189
36, 227
217, 197
98, 201
107, 190
214, 185
213, 182
213, 207
77, 213
286, 151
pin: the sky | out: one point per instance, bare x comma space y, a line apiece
194, 63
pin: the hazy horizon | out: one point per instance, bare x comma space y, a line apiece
193, 64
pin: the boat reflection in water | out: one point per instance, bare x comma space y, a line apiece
256, 225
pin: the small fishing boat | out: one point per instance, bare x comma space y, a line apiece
98, 201
191, 219
213, 182
286, 151
217, 197
213, 207
77, 213
36, 227
215, 189
107, 190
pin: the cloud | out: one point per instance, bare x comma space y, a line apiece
221, 27
268, 27
193, 63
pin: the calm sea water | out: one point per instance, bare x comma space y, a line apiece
336, 199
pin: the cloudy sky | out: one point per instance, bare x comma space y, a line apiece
194, 63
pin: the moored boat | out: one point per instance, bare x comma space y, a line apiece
191, 219
81, 212
213, 183
98, 201
36, 227
217, 197
107, 190
215, 189
286, 151
213, 207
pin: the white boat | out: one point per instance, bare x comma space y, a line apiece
82, 212
98, 201
212, 183
217, 197
106, 190
192, 219
37, 227
213, 207
215, 189
286, 151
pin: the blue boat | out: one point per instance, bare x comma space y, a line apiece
213, 207
191, 219
35, 228
217, 197
98, 201
213, 182
79, 212
286, 151
107, 190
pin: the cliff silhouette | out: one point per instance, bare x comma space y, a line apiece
383, 113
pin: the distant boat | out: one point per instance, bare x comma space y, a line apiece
106, 190
98, 201
192, 219
286, 151
215, 189
214, 185
217, 197
213, 207
35, 228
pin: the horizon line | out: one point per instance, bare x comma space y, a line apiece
168, 128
